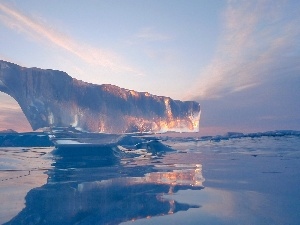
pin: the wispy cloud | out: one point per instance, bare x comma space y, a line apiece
150, 34
260, 41
39, 30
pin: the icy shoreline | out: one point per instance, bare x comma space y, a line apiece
73, 137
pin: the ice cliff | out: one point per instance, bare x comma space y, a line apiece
53, 98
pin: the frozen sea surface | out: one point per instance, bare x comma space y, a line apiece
241, 180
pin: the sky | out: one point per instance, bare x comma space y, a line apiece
238, 59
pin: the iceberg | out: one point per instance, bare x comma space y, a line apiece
51, 98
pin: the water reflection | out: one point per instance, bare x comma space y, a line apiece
97, 187
21, 169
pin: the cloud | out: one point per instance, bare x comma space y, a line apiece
149, 34
260, 41
39, 30
8, 103
11, 115
14, 119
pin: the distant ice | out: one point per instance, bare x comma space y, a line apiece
68, 142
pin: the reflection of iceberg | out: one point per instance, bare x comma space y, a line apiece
84, 189
176, 178
108, 202
191, 177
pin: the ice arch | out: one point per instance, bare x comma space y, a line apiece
53, 98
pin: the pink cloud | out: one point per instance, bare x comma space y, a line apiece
41, 31
11, 115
